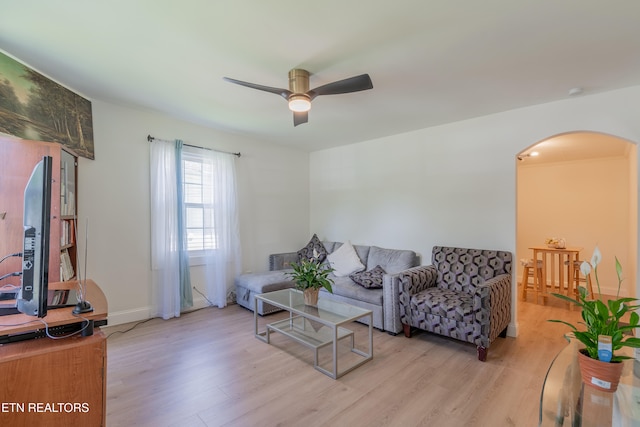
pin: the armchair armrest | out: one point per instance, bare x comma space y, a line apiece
282, 261
393, 295
408, 283
495, 289
493, 297
417, 279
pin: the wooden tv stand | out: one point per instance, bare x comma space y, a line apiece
55, 382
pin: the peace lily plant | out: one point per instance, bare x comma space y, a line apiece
311, 274
600, 319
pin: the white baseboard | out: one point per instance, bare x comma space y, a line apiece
199, 303
128, 316
144, 313
512, 330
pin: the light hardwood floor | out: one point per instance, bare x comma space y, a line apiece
207, 369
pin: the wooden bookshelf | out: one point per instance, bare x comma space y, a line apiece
17, 159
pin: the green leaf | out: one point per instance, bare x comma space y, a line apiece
619, 358
615, 305
634, 319
601, 310
632, 342
568, 299
563, 322
311, 274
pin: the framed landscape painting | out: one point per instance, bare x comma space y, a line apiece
37, 108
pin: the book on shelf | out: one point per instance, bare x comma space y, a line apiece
63, 232
67, 198
67, 232
56, 298
66, 268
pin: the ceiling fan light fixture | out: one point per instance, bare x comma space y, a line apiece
299, 97
299, 103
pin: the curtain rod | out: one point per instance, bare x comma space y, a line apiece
152, 138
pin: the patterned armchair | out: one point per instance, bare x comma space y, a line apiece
465, 294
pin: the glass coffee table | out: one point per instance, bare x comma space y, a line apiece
317, 326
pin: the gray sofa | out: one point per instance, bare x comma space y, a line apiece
383, 302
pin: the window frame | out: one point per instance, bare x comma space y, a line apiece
196, 155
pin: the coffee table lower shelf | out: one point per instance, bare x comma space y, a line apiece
301, 330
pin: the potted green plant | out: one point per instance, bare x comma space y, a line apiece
309, 276
607, 328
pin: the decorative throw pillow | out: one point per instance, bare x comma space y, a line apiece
369, 279
314, 249
345, 260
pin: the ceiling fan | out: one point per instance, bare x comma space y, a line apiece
299, 96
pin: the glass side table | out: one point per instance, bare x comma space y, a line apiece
566, 401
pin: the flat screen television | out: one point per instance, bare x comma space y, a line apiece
32, 297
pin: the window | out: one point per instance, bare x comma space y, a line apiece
198, 198
209, 188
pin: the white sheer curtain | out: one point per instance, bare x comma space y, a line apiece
166, 241
223, 263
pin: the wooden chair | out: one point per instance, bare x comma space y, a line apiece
530, 271
578, 278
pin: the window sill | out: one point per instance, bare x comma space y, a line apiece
197, 259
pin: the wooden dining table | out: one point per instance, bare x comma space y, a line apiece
553, 263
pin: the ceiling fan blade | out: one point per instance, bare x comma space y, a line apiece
285, 93
352, 84
300, 117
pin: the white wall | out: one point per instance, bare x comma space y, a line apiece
587, 203
113, 195
452, 184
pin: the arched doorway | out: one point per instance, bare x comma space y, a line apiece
582, 186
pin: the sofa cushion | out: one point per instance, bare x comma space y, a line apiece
313, 249
345, 260
363, 253
361, 250
391, 260
369, 279
345, 287
331, 246
265, 282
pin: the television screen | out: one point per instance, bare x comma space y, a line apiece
32, 298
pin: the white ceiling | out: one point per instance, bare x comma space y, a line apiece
431, 62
